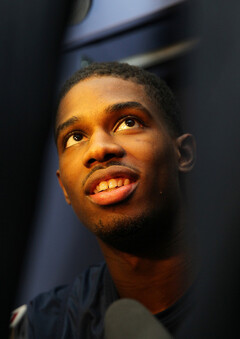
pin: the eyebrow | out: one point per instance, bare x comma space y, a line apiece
64, 125
126, 105
109, 109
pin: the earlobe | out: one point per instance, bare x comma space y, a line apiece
62, 187
186, 152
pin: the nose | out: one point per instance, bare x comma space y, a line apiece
102, 147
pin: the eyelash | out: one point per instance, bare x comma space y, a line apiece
67, 137
125, 118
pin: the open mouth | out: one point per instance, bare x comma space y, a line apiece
112, 184
112, 191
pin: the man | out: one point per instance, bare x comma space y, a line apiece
121, 156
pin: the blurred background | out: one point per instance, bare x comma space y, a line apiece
152, 34
194, 46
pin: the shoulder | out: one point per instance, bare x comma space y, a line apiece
54, 299
56, 310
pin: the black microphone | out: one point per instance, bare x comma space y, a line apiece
128, 319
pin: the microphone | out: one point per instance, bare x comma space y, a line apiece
128, 319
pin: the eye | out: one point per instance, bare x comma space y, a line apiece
73, 139
128, 123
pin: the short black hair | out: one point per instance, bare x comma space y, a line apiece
155, 88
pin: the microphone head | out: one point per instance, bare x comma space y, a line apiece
128, 319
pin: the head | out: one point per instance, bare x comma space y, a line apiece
121, 151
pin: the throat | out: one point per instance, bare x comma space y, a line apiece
157, 287
157, 284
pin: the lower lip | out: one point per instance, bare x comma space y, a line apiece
113, 197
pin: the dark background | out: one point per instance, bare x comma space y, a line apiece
40, 246
60, 247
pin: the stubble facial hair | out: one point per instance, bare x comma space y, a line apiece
147, 236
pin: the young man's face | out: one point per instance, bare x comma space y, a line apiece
117, 160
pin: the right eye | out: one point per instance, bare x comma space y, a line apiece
73, 139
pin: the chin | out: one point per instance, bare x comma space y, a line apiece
144, 236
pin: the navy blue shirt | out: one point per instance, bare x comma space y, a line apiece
77, 310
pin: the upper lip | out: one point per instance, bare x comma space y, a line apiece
109, 173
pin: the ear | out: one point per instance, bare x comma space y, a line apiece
186, 152
62, 187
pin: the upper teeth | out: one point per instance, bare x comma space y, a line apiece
112, 183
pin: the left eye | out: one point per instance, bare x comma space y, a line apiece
127, 124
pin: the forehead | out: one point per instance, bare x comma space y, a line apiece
95, 93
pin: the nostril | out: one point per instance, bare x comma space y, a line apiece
102, 151
90, 161
109, 156
106, 157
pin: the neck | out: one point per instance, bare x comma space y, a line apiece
157, 284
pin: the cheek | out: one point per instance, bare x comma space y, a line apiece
157, 159
154, 152
142, 148
70, 170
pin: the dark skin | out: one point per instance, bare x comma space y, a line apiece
105, 121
